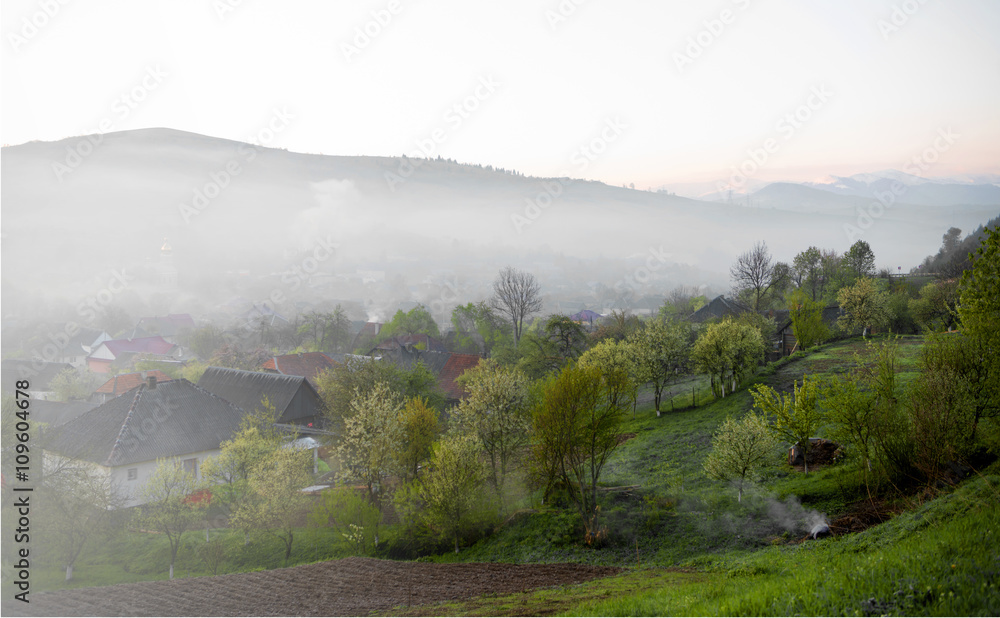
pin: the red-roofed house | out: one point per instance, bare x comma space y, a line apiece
120, 350
453, 368
307, 364
126, 382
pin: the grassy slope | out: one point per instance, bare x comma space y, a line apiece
736, 559
733, 558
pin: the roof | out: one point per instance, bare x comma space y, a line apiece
456, 365
55, 413
418, 341
719, 307
173, 419
38, 373
307, 365
142, 345
247, 388
127, 381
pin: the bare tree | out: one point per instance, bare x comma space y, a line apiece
755, 273
516, 294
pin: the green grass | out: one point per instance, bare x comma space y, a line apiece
690, 546
940, 559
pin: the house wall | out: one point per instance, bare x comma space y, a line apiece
304, 408
144, 471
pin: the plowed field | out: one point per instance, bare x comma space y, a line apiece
349, 587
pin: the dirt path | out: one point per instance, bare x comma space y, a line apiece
349, 587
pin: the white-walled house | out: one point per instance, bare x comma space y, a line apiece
126, 436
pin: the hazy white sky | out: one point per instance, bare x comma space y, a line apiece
667, 91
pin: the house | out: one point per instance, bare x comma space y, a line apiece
78, 348
786, 343
53, 413
39, 375
125, 436
455, 366
306, 364
121, 351
419, 341
294, 398
365, 338
718, 308
125, 382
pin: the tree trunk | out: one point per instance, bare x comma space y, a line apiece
171, 570
69, 572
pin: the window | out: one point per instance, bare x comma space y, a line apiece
191, 466
133, 474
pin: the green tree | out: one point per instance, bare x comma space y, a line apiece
419, 429
620, 357
170, 505
327, 331
741, 450
728, 351
807, 270
337, 386
979, 310
478, 328
936, 306
859, 261
663, 349
864, 412
278, 502
416, 321
371, 438
70, 384
497, 412
865, 306
577, 425
795, 417
807, 320
450, 491
355, 518
252, 447
77, 505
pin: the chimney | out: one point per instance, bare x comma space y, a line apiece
151, 382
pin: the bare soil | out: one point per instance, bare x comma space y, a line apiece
349, 587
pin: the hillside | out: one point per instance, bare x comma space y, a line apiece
71, 219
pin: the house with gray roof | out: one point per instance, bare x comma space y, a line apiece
294, 398
126, 436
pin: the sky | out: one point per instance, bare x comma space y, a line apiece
627, 92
